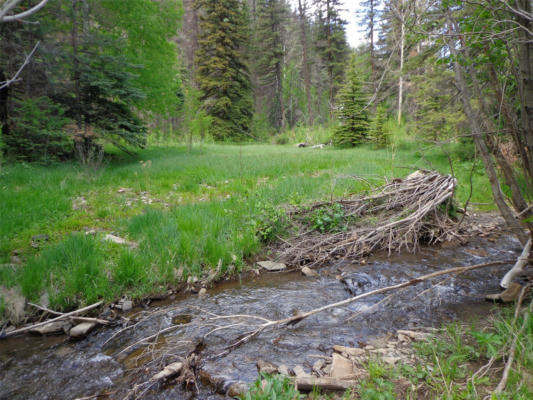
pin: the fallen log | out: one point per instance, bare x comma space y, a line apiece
323, 383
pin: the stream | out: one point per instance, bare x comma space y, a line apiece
57, 367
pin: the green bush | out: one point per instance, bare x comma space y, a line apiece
275, 387
38, 131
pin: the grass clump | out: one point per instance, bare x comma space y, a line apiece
70, 271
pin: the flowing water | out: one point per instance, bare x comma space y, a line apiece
57, 367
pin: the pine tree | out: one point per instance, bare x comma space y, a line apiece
222, 71
352, 110
378, 133
331, 43
269, 38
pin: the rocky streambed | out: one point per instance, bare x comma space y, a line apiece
110, 361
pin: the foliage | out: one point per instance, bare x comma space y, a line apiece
196, 121
379, 133
38, 131
269, 34
274, 387
222, 70
271, 222
145, 31
328, 218
352, 111
436, 116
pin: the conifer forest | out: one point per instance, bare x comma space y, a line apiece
266, 199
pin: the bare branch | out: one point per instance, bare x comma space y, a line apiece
10, 5
26, 62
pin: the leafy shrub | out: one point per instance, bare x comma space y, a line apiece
270, 222
275, 387
328, 219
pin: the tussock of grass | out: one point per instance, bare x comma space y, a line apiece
187, 210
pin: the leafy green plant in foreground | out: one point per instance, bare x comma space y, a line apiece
276, 387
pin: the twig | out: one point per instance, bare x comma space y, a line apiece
63, 316
85, 319
507, 369
26, 62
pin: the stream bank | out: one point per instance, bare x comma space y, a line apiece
56, 367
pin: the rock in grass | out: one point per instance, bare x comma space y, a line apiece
202, 292
118, 240
272, 265
82, 329
309, 272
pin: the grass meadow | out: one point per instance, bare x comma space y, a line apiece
187, 210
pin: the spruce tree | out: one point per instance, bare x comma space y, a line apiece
331, 43
269, 39
222, 71
378, 133
351, 110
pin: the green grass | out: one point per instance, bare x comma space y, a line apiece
187, 210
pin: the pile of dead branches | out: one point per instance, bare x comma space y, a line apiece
399, 215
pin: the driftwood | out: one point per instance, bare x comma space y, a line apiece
308, 383
73, 317
396, 216
59, 318
518, 267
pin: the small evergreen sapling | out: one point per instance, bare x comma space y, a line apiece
352, 111
378, 132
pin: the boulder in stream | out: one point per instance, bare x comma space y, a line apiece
82, 329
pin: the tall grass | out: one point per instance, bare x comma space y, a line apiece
187, 210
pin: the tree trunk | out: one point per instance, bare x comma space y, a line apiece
525, 63
372, 55
330, 60
306, 73
75, 64
481, 145
400, 80
4, 95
